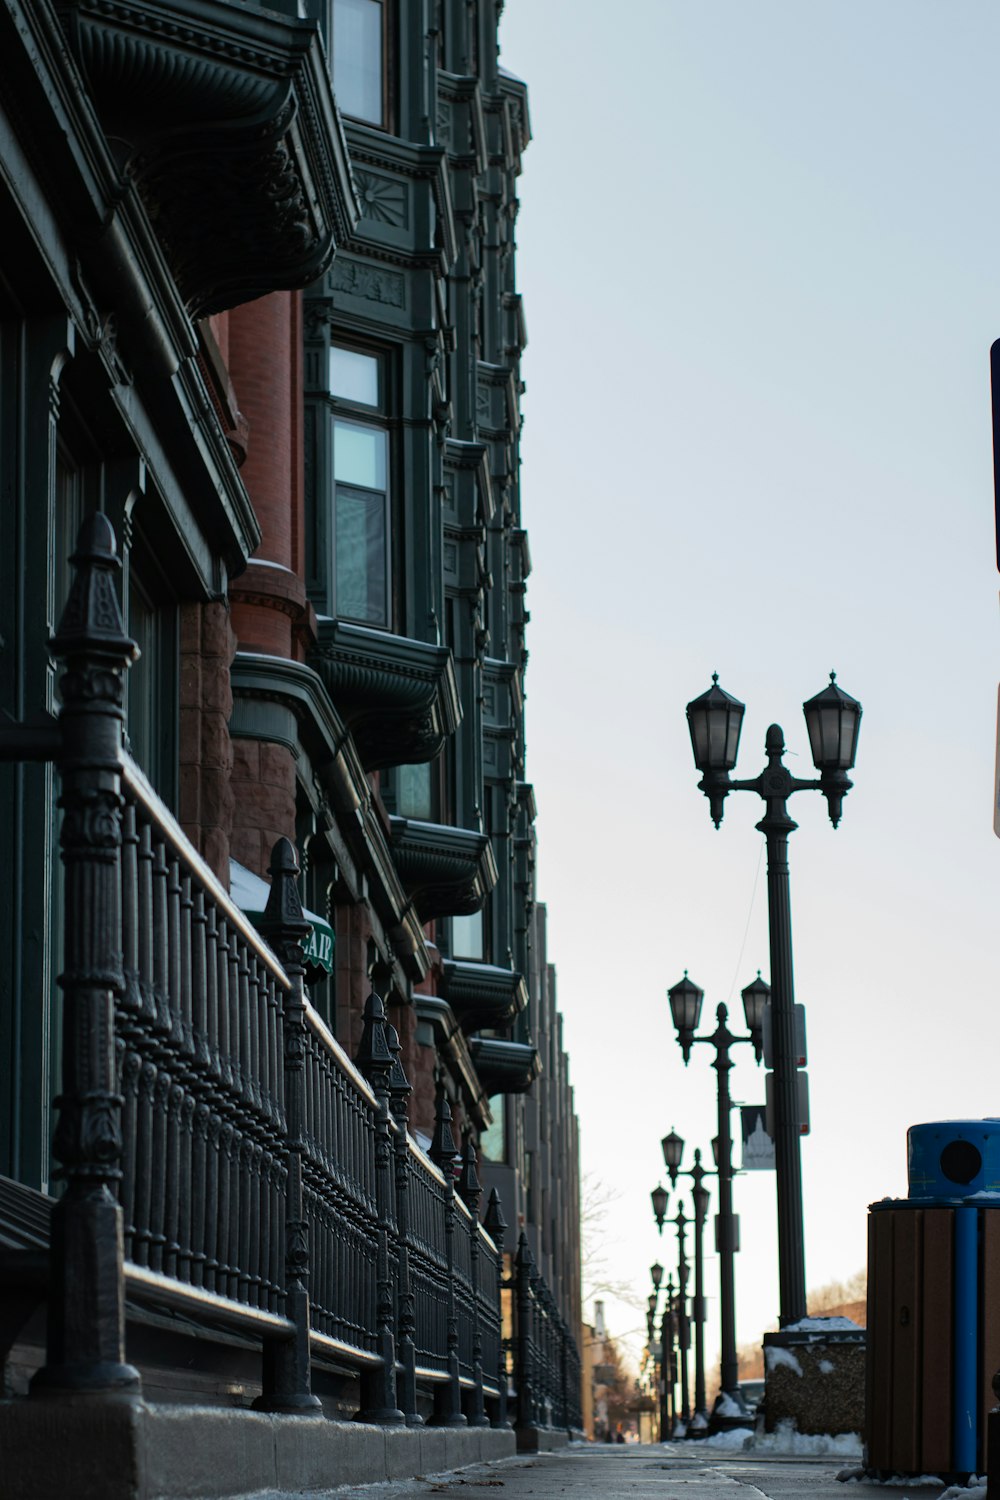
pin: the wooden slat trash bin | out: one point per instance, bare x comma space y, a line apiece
934, 1305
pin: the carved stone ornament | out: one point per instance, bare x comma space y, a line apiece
447, 871
223, 118
398, 696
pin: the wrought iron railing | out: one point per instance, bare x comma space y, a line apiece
221, 1153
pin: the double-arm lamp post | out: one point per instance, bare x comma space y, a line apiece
660, 1384
667, 1368
833, 720
673, 1151
659, 1198
685, 1008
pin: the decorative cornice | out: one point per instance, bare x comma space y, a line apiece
399, 696
451, 1043
226, 125
259, 681
448, 872
505, 1067
482, 994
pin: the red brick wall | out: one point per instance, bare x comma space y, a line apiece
263, 783
206, 756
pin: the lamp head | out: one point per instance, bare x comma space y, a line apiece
673, 1152
715, 719
833, 719
685, 1009
756, 999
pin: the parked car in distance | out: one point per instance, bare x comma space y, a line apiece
752, 1392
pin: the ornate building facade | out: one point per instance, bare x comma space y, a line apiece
259, 310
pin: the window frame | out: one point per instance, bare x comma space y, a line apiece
361, 414
386, 122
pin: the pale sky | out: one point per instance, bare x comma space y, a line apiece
757, 249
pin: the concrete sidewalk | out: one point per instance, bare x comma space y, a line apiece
654, 1472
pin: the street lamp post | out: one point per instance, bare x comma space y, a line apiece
685, 1007
683, 1325
659, 1198
656, 1273
669, 1367
833, 720
673, 1151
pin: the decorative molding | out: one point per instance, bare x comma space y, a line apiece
399, 696
368, 283
505, 1067
228, 129
383, 200
482, 994
263, 687
449, 872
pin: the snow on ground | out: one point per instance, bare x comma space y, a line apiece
787, 1442
974, 1490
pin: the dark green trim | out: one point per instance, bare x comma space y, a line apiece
398, 696
261, 683
448, 872
482, 995
505, 1067
451, 1043
267, 135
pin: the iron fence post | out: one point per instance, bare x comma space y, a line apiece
86, 1315
523, 1335
375, 1060
443, 1153
287, 1373
471, 1191
495, 1226
399, 1092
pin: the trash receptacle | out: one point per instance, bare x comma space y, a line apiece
934, 1304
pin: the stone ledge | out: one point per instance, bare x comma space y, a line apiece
541, 1439
127, 1450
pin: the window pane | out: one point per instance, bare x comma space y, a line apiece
357, 58
361, 557
359, 455
413, 791
354, 376
467, 936
491, 1142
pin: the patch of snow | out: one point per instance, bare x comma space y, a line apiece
787, 1441
821, 1325
725, 1406
825, 1366
733, 1440
974, 1490
697, 1423
898, 1481
680, 1430
982, 1197
776, 1357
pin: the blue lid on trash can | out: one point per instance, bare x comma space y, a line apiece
953, 1158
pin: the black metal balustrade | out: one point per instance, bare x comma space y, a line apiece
222, 1155
545, 1359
